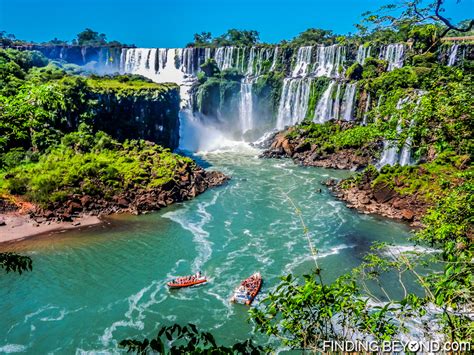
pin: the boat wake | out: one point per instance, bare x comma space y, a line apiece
138, 304
200, 236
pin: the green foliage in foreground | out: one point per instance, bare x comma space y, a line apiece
304, 313
12, 262
186, 340
93, 164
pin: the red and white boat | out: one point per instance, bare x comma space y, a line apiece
187, 281
248, 289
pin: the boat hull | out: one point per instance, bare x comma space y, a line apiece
186, 284
242, 297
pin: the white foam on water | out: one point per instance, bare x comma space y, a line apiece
199, 137
397, 250
131, 320
13, 348
62, 313
200, 235
320, 255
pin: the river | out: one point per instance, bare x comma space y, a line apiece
91, 288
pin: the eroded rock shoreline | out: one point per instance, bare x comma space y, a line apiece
364, 197
188, 183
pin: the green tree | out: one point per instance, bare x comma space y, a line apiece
188, 339
314, 36
12, 262
407, 14
89, 37
202, 39
240, 38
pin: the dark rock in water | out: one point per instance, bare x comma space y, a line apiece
66, 217
306, 154
330, 182
2, 223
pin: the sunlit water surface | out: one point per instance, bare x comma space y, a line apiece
91, 288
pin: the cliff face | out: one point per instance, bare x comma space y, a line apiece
99, 59
132, 113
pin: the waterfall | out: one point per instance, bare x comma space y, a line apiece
251, 61
323, 111
329, 60
453, 51
329, 108
181, 66
348, 102
293, 102
366, 110
405, 155
391, 153
363, 52
394, 55
160, 66
242, 68
275, 59
246, 105
237, 61
303, 61
224, 57
187, 60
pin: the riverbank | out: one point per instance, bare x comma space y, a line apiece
17, 226
115, 273
21, 219
300, 145
297, 144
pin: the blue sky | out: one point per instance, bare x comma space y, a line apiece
172, 23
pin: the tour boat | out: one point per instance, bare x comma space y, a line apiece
187, 281
248, 289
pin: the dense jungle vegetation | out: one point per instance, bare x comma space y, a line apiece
48, 143
302, 312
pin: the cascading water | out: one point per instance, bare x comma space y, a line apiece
224, 57
293, 102
303, 62
332, 107
391, 153
348, 102
363, 52
323, 111
246, 104
181, 66
366, 110
275, 59
405, 155
453, 52
394, 55
329, 60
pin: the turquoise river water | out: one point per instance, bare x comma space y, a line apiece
91, 288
